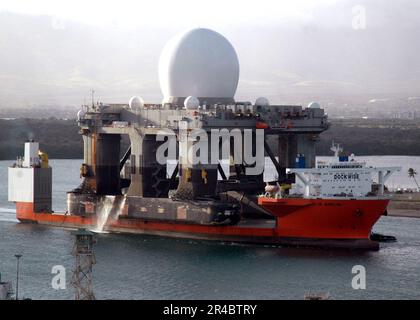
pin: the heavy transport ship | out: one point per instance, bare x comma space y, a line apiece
339, 200
190, 195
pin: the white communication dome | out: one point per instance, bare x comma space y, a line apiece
314, 105
136, 103
191, 103
200, 63
262, 101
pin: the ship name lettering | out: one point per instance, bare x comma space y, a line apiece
346, 176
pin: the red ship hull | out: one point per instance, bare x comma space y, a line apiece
325, 218
298, 222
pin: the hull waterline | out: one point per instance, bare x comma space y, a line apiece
298, 222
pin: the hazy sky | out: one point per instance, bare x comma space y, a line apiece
53, 52
169, 13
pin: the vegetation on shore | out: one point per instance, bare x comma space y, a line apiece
373, 137
61, 140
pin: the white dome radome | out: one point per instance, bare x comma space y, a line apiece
314, 105
136, 103
262, 101
191, 103
200, 63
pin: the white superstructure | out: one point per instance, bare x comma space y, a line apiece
31, 157
342, 177
30, 179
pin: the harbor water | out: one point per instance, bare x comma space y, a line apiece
146, 267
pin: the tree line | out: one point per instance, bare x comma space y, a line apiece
61, 138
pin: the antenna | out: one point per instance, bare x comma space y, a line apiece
92, 91
336, 149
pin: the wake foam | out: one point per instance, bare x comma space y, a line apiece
8, 215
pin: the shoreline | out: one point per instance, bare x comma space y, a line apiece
402, 213
405, 205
